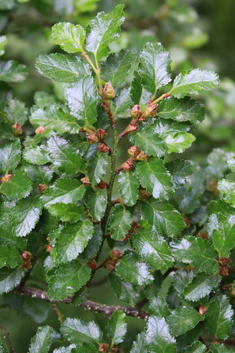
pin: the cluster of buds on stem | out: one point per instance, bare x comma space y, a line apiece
112, 260
104, 148
150, 111
42, 188
101, 185
27, 257
103, 347
136, 112
132, 127
92, 264
144, 194
109, 92
127, 166
48, 246
18, 129
40, 130
224, 268
6, 178
98, 136
136, 155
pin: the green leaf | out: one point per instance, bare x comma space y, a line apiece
10, 278
117, 67
79, 331
68, 36
96, 202
179, 142
136, 88
62, 68
10, 155
219, 318
181, 110
123, 101
158, 337
186, 340
125, 291
86, 348
3, 42
179, 170
163, 218
67, 212
217, 161
97, 167
227, 188
36, 155
117, 327
201, 286
93, 245
7, 5
155, 178
67, 279
18, 187
66, 349
196, 347
223, 235
40, 174
14, 111
194, 81
82, 99
221, 348
7, 131
139, 345
195, 251
11, 71
132, 269
183, 319
158, 307
72, 241
154, 67
181, 279
120, 222
103, 30
37, 310
153, 248
128, 186
10, 257
41, 342
65, 191
55, 119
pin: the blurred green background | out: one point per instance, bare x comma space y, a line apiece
198, 33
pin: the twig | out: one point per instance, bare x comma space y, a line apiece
6, 337
58, 312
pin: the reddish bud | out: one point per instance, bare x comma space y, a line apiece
92, 264
212, 188
6, 178
133, 151
223, 261
40, 130
125, 166
103, 148
110, 265
135, 225
203, 309
109, 92
203, 235
136, 112
103, 347
27, 265
187, 221
224, 271
133, 126
42, 188
216, 342
85, 181
142, 156
49, 248
18, 129
101, 185
150, 111
26, 255
114, 254
101, 133
144, 195
92, 138
166, 95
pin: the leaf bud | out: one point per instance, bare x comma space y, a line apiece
133, 151
150, 111
144, 195
92, 264
142, 156
49, 248
110, 265
40, 130
109, 92
85, 181
136, 112
114, 254
6, 178
187, 221
26, 255
18, 129
92, 138
101, 133
103, 347
27, 264
203, 235
212, 188
224, 271
101, 185
103, 148
42, 188
203, 309
125, 166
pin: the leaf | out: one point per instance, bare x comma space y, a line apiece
195, 251
117, 327
86, 348
217, 161
37, 310
181, 279
123, 101
158, 337
65, 191
136, 88
194, 81
10, 278
153, 248
68, 36
10, 155
120, 222
79, 331
10, 257
155, 178
154, 67
36, 155
103, 30
66, 212
41, 342
128, 187
7, 5
221, 348
97, 167
163, 218
186, 340
40, 174
67, 279
7, 131
179, 170
219, 318
132, 269
196, 347
11, 71
14, 111
117, 67
62, 68
227, 188
3, 42
183, 319
177, 143
55, 119
223, 235
201, 286
93, 245
18, 187
180, 110
125, 291
96, 202
72, 241
82, 99
158, 307
139, 345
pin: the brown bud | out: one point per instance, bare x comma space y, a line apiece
85, 181
42, 188
103, 347
212, 188
101, 133
144, 195
125, 166
18, 129
101, 185
135, 225
49, 248
133, 151
6, 178
187, 221
142, 156
109, 92
26, 255
223, 261
92, 138
136, 112
216, 341
27, 265
103, 148
133, 126
203, 309
224, 271
110, 265
114, 254
203, 235
40, 130
150, 111
92, 264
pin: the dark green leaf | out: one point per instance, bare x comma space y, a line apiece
86, 348
37, 310
14, 111
132, 269
139, 345
10, 278
181, 279
120, 222
217, 161
3, 42
97, 167
201, 286
67, 212
62, 68
10, 257
125, 291
223, 234
79, 331
227, 188
183, 319
7, 131
10, 155
18, 187
188, 338
179, 170
221, 348
68, 36
36, 155
96, 202
136, 88
128, 186
158, 337
11, 71
123, 101
158, 306
117, 327
196, 347
103, 30
40, 174
93, 245
41, 342
194, 81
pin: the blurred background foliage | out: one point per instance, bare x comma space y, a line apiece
198, 33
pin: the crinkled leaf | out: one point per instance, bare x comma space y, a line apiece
183, 319
11, 71
125, 291
201, 286
97, 167
227, 188
158, 337
37, 310
67, 212
158, 307
3, 42
155, 178
93, 245
10, 257
217, 161
154, 67
139, 345
102, 30
67, 279
128, 186
132, 269
62, 68
179, 170
40, 174
117, 327
10, 155
179, 142
18, 187
187, 339
181, 279
136, 88
10, 278
41, 342
68, 36
120, 222
79, 331
194, 81
221, 348
123, 101
223, 234
86, 348
14, 111
82, 99
96, 202
36, 155
163, 218
219, 318
196, 347
7, 131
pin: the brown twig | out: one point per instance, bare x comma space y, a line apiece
6, 337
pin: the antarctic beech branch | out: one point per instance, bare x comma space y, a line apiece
6, 337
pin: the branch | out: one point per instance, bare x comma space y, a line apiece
6, 337
106, 310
